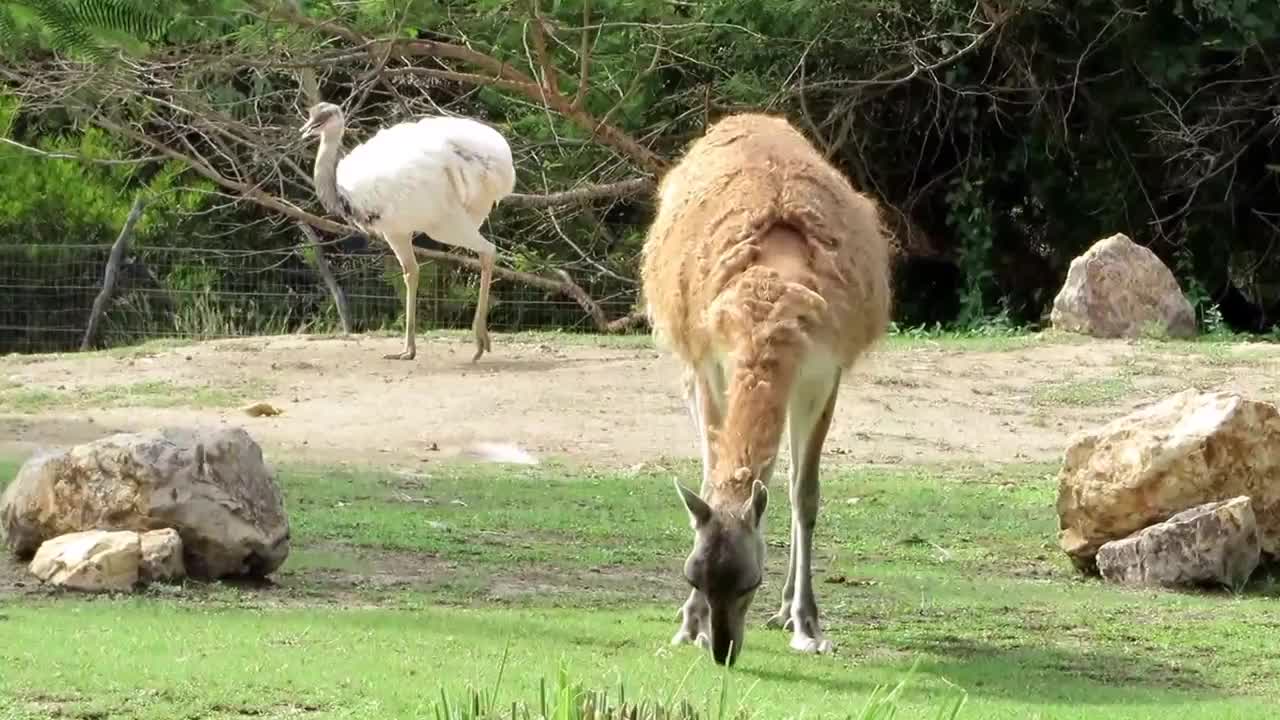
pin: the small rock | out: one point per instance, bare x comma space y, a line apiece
90, 561
261, 408
1214, 543
161, 556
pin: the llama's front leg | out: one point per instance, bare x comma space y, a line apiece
782, 618
808, 432
695, 397
695, 622
695, 614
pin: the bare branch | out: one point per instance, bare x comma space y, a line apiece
584, 57
586, 194
77, 157
499, 74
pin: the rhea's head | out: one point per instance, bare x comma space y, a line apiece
325, 118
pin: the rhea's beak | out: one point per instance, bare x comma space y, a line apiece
308, 128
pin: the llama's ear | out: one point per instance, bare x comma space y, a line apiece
758, 502
699, 511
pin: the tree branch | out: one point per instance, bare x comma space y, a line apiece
500, 74
584, 57
581, 195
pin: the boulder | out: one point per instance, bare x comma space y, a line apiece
1189, 449
1211, 544
1119, 289
210, 485
161, 556
91, 561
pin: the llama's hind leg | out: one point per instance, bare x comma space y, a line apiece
810, 418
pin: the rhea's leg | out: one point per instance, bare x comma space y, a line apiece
480, 324
461, 230
403, 249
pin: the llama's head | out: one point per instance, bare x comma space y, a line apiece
726, 565
324, 118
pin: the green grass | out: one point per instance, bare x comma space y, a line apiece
955, 568
1085, 393
29, 400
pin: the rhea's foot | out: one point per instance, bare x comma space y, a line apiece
482, 344
410, 351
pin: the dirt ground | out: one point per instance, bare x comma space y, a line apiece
341, 402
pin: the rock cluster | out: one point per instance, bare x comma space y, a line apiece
145, 507
1183, 491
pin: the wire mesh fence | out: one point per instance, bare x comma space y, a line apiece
47, 293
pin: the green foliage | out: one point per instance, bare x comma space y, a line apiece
1074, 121
970, 218
90, 28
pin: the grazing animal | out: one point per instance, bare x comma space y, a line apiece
438, 175
768, 276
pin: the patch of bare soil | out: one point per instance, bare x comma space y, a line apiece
343, 403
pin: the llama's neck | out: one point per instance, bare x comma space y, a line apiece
747, 444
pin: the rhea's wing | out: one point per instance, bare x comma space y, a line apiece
430, 161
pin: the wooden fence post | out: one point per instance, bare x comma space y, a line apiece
118, 250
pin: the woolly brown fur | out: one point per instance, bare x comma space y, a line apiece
760, 252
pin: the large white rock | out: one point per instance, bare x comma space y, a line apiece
161, 556
1212, 544
92, 561
1189, 449
210, 485
1119, 289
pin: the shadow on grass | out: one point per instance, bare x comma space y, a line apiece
1023, 673
1057, 674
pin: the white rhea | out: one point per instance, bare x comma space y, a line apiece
437, 175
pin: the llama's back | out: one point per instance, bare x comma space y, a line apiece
757, 235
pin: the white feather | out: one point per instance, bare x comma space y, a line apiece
500, 453
414, 173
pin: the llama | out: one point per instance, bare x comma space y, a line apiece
767, 275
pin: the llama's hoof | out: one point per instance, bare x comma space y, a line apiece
685, 637
811, 645
781, 619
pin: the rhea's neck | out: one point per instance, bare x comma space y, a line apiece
326, 170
